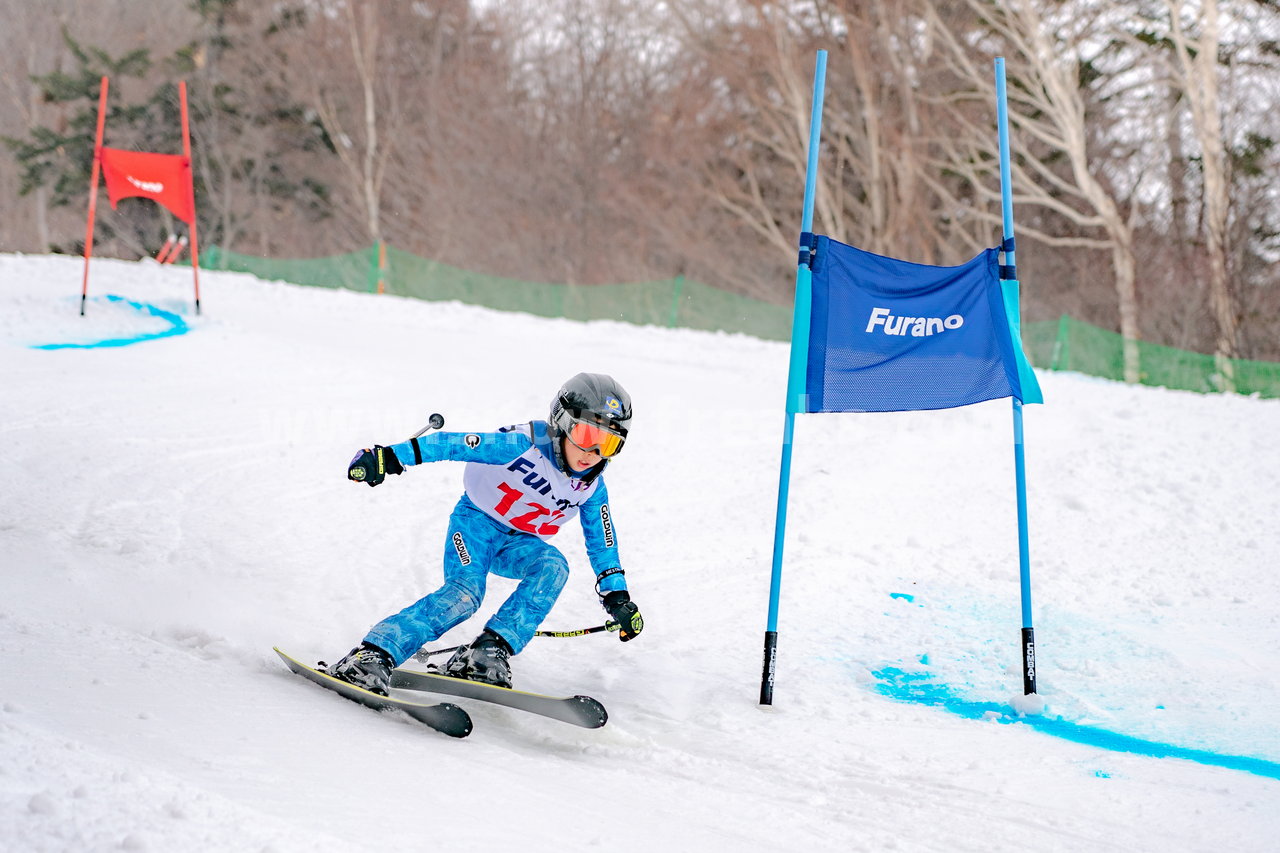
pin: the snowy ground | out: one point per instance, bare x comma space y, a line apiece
172, 509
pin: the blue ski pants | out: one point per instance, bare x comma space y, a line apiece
477, 545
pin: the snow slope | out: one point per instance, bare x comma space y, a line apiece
173, 508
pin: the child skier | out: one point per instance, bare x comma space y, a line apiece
521, 484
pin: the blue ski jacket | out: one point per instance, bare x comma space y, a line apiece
512, 477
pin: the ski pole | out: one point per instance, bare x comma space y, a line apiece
434, 422
607, 626
426, 654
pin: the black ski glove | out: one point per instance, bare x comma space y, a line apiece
625, 613
373, 465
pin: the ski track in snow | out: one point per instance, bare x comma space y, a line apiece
177, 506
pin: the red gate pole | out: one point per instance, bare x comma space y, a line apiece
169, 243
191, 188
93, 192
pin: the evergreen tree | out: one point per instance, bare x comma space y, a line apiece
254, 146
61, 157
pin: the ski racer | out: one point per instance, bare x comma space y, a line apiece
521, 485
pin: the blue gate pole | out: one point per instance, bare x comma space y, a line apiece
1009, 274
796, 398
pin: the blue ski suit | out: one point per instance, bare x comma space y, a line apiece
516, 498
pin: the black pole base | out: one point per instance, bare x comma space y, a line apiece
1028, 661
770, 660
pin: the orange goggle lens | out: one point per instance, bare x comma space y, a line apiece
592, 437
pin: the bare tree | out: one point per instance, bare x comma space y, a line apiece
1048, 123
32, 45
878, 184
36, 52
886, 192
410, 98
363, 136
1195, 45
609, 140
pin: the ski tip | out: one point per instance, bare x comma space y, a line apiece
446, 718
594, 713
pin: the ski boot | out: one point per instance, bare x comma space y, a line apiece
484, 660
366, 666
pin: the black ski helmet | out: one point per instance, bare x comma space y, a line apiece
592, 397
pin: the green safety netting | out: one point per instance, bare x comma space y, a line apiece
675, 302
1064, 344
1070, 344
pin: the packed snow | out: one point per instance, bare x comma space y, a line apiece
173, 508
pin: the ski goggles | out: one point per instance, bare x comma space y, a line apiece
589, 436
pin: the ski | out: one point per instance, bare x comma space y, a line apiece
576, 710
446, 717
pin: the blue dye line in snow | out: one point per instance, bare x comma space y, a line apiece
918, 687
177, 326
